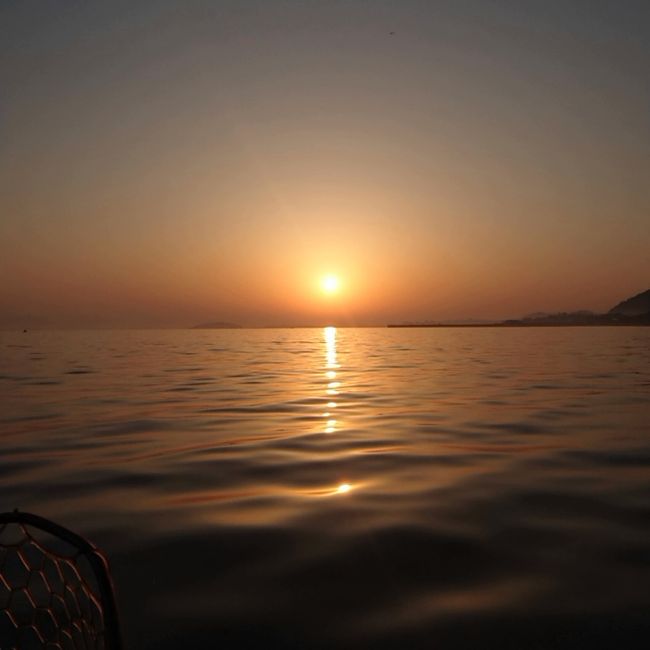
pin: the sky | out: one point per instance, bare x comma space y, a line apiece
165, 163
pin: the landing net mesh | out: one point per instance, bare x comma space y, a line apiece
50, 594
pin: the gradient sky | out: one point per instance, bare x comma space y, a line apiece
164, 163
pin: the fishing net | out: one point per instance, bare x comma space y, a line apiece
55, 589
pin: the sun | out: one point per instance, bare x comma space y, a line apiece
329, 284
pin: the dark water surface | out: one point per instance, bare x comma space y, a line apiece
351, 488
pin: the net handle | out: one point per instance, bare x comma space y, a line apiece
96, 559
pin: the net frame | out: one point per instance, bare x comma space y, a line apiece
85, 558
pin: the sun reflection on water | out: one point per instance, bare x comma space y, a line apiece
331, 423
330, 347
331, 491
329, 334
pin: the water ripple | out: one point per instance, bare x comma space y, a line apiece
462, 488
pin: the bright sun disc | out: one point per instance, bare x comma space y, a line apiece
329, 284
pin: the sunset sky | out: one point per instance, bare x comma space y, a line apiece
164, 163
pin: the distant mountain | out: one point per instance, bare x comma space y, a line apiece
582, 317
471, 322
216, 325
633, 311
634, 306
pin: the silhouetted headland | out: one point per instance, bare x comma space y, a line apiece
632, 311
638, 305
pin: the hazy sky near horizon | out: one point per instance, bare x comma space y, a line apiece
166, 162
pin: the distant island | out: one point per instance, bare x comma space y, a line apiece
632, 311
216, 325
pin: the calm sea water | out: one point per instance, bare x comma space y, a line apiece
351, 488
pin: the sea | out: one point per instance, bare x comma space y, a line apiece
377, 488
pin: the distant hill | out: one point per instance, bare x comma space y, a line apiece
562, 318
216, 325
634, 306
633, 311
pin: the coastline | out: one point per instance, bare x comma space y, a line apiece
508, 325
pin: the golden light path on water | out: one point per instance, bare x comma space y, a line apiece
331, 368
